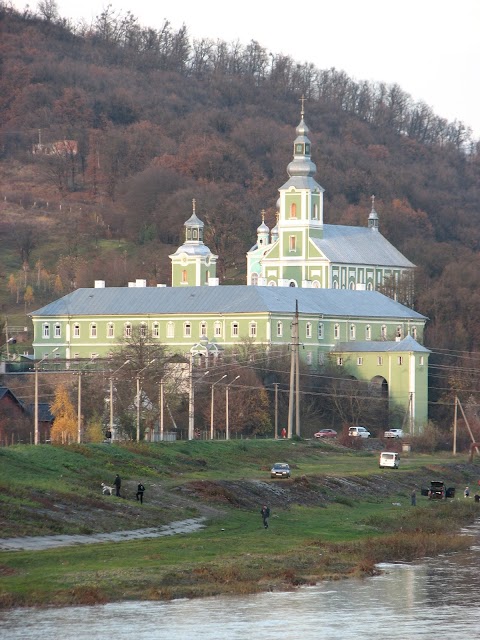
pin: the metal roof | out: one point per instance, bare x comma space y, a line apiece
130, 301
407, 344
359, 245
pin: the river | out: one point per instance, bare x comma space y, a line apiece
434, 599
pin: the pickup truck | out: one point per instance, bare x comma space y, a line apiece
438, 491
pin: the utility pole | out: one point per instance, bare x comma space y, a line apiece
275, 384
455, 415
294, 391
161, 409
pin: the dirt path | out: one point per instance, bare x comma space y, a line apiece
40, 543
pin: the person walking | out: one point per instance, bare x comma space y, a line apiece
413, 497
140, 490
265, 511
117, 483
466, 493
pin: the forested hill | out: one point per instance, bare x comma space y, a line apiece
156, 119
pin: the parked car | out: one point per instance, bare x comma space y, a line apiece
389, 459
280, 470
438, 491
325, 433
358, 432
393, 433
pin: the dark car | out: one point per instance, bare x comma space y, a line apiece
325, 433
438, 491
280, 470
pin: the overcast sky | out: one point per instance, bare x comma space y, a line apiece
431, 48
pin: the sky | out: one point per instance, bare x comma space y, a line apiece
430, 48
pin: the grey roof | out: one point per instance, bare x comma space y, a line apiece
301, 182
193, 249
131, 301
359, 245
407, 344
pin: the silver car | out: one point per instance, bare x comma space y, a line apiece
280, 470
358, 432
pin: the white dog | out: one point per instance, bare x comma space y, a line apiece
106, 490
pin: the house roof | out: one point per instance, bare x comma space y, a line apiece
359, 245
407, 344
135, 301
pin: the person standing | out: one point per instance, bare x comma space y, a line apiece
284, 433
265, 511
140, 490
117, 483
466, 493
413, 497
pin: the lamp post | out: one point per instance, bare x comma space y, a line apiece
111, 397
211, 407
227, 432
37, 364
138, 397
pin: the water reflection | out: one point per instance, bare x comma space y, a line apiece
435, 599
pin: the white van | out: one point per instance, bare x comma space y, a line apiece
389, 459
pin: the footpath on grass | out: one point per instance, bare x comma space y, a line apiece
40, 543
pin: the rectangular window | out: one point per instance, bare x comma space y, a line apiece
379, 360
320, 330
293, 243
340, 361
76, 331
57, 331
308, 330
359, 361
93, 331
420, 362
156, 330
235, 329
279, 329
253, 330
187, 330
110, 331
218, 330
128, 331
46, 330
400, 360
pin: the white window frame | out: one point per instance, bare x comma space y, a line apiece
321, 330
360, 361
368, 332
57, 330
110, 330
252, 329
46, 331
340, 361
187, 329
128, 330
170, 329
353, 332
203, 329
235, 329
292, 244
76, 330
279, 329
336, 331
156, 330
217, 329
93, 330
143, 330
308, 330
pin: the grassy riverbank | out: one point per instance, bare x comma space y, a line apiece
337, 517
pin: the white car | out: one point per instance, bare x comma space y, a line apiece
358, 432
393, 433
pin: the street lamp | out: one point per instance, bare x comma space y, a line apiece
111, 397
211, 407
138, 397
37, 364
227, 433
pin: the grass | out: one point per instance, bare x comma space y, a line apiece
318, 529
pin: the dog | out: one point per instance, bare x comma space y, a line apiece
106, 490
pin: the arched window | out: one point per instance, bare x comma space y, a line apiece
128, 330
292, 283
187, 330
308, 330
320, 330
156, 330
234, 329
46, 331
143, 330
369, 286
293, 210
353, 332
252, 330
384, 332
336, 332
315, 284
414, 333
110, 330
351, 285
279, 329
76, 330
93, 330
218, 329
399, 331
203, 329
184, 276
272, 283
58, 330
335, 284
368, 332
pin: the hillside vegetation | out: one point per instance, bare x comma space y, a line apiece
158, 120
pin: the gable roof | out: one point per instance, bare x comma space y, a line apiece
135, 301
359, 245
